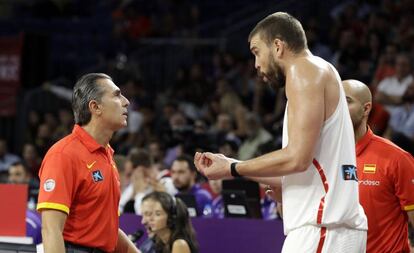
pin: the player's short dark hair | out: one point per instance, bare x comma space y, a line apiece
283, 26
85, 90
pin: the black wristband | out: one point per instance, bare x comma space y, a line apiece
233, 170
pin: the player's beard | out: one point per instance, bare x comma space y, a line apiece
275, 76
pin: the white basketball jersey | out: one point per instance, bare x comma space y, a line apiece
326, 194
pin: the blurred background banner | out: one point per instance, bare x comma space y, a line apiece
10, 66
13, 198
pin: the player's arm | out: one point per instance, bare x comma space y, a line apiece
53, 222
306, 116
124, 245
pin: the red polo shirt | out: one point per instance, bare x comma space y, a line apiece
386, 192
79, 177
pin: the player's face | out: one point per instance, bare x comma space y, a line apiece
113, 106
158, 222
265, 62
147, 210
181, 175
356, 108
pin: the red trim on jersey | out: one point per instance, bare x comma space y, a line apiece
321, 240
325, 186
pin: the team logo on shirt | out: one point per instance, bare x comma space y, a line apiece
370, 168
49, 185
349, 172
97, 176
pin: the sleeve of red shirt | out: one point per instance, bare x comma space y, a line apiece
56, 183
404, 181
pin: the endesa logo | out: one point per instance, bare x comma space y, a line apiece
369, 182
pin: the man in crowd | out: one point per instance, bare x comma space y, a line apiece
184, 174
144, 179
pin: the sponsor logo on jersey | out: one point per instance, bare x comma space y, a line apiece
349, 172
370, 182
370, 168
97, 176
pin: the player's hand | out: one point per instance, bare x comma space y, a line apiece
213, 166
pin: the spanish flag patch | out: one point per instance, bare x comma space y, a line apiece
370, 168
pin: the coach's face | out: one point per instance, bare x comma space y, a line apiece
265, 61
113, 106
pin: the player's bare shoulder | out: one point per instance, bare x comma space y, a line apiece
330, 80
316, 76
308, 71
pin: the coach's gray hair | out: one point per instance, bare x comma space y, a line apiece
85, 90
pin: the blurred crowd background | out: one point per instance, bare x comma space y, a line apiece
186, 68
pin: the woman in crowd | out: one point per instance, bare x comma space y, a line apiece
171, 225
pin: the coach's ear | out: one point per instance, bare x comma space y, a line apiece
279, 47
94, 107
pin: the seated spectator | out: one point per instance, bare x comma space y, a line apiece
224, 129
65, 124
124, 175
391, 90
401, 128
385, 67
229, 148
217, 208
184, 174
256, 135
32, 159
268, 208
6, 159
147, 210
19, 174
171, 224
143, 180
44, 139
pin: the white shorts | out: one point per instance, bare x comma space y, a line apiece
312, 239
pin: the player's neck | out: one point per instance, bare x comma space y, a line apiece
292, 58
101, 135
